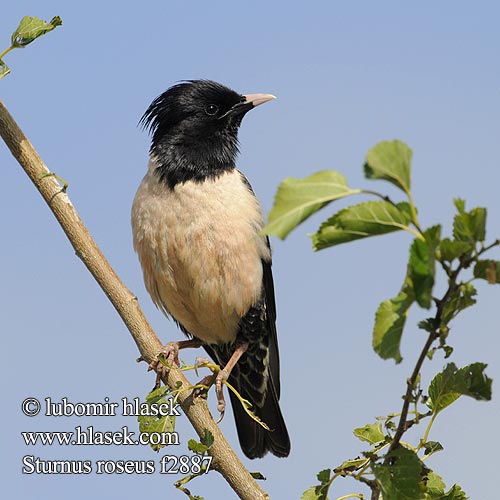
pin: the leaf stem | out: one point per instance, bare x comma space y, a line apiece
6, 51
378, 195
427, 431
414, 217
418, 233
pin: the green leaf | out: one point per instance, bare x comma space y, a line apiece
432, 447
208, 438
434, 486
453, 249
427, 324
30, 28
157, 423
350, 466
435, 489
372, 433
319, 492
203, 446
455, 493
313, 493
422, 266
469, 226
258, 475
4, 69
390, 161
488, 270
448, 351
400, 480
448, 385
197, 447
460, 299
370, 218
390, 320
298, 199
324, 475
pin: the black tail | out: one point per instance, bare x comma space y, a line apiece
256, 441
248, 377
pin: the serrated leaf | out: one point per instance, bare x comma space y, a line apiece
207, 439
298, 199
205, 443
453, 249
319, 492
350, 465
313, 493
390, 320
324, 476
371, 433
390, 161
197, 447
157, 396
4, 69
469, 226
422, 266
431, 447
31, 28
366, 219
427, 324
455, 493
488, 270
434, 486
157, 423
460, 299
400, 480
448, 385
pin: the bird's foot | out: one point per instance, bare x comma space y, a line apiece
170, 353
200, 362
221, 377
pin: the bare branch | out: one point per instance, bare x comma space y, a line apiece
225, 459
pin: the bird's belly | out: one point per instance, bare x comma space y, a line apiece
200, 250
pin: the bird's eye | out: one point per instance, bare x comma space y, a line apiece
211, 109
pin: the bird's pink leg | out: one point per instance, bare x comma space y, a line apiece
224, 375
170, 352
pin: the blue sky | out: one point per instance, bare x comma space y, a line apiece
347, 75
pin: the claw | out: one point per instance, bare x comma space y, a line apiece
200, 362
222, 376
170, 352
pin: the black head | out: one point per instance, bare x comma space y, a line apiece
194, 125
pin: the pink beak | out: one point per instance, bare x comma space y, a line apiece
258, 99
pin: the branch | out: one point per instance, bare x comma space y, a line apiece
412, 381
225, 459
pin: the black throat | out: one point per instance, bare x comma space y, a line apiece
182, 157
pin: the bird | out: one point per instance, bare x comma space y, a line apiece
197, 230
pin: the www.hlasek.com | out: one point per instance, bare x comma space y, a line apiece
89, 436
